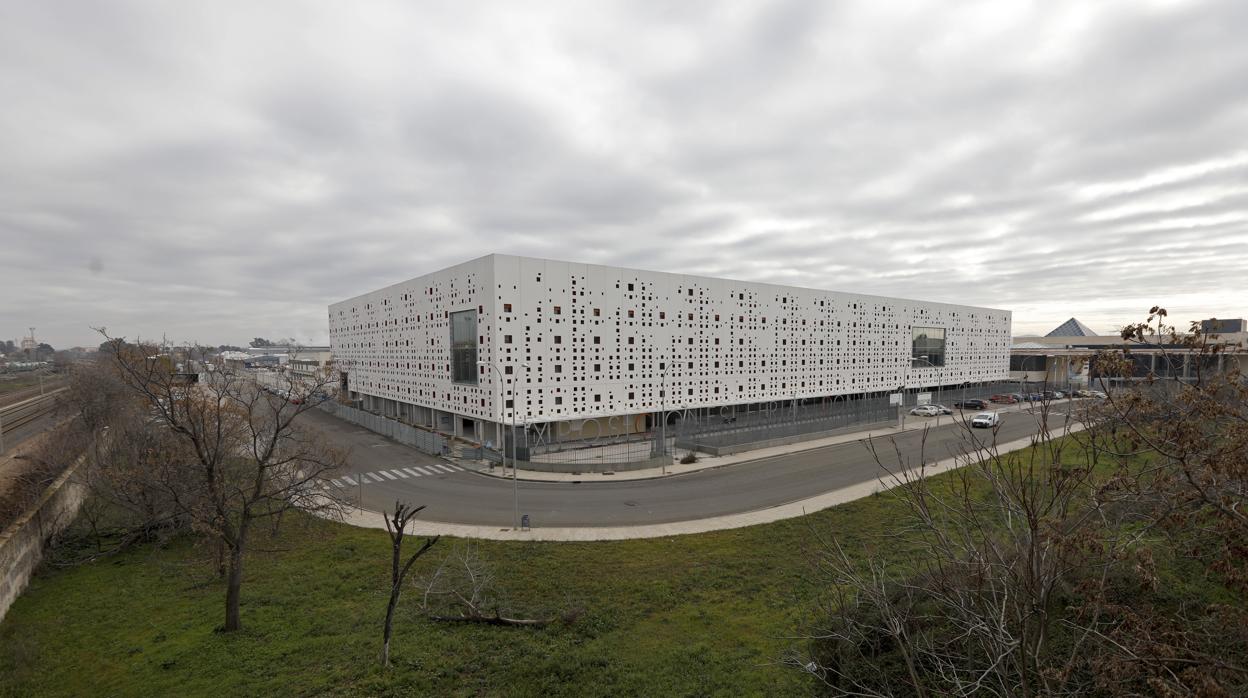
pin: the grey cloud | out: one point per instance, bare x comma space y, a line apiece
217, 175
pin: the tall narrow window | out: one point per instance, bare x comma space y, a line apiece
464, 346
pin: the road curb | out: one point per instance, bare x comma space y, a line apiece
778, 512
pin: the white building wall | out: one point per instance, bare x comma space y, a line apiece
718, 341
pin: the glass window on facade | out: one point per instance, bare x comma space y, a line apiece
1028, 362
464, 346
927, 347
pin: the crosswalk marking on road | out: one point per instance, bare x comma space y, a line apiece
432, 469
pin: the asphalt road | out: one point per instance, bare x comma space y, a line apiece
467, 497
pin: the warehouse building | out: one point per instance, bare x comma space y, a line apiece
582, 350
1063, 358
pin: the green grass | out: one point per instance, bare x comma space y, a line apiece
706, 614
690, 615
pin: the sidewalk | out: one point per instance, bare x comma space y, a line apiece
369, 519
708, 462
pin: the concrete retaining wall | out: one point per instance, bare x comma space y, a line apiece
22, 543
781, 441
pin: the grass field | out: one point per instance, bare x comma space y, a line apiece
691, 615
708, 614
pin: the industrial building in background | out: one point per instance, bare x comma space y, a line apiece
1063, 358
586, 350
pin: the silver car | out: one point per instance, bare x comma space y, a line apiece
986, 420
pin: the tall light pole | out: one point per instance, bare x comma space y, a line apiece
502, 431
663, 414
515, 479
904, 380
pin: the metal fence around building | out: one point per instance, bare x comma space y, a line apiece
421, 439
619, 450
713, 428
724, 428
590, 460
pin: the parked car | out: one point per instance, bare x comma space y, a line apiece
1003, 399
1098, 394
1054, 395
1034, 397
941, 409
986, 420
924, 411
975, 404
1019, 397
1082, 393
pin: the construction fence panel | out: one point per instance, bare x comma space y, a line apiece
421, 439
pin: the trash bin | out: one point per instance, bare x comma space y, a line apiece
524, 522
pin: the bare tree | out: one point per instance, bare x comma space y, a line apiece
1037, 572
993, 554
243, 456
462, 589
396, 526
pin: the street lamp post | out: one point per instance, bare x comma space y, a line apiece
663, 415
502, 432
515, 477
904, 381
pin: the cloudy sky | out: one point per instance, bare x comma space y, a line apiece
216, 171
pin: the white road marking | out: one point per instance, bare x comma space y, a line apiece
337, 483
422, 470
456, 468
399, 472
348, 480
413, 472
386, 474
444, 468
368, 478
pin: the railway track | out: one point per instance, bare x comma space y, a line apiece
16, 396
18, 415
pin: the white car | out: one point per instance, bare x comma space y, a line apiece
986, 420
925, 411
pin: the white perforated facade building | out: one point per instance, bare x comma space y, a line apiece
611, 342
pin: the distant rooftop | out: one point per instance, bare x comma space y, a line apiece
1073, 328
